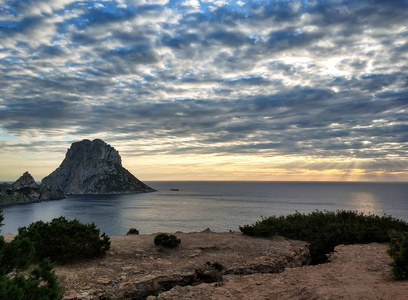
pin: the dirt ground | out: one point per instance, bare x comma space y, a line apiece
355, 272
134, 264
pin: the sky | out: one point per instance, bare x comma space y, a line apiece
208, 90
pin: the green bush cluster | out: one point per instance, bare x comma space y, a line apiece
64, 241
41, 284
167, 241
399, 253
15, 257
325, 230
59, 241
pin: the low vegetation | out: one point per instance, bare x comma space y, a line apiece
325, 230
64, 241
41, 284
167, 241
34, 248
399, 253
15, 282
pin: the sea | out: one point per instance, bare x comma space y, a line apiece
221, 206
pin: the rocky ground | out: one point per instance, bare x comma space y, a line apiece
210, 265
135, 268
355, 272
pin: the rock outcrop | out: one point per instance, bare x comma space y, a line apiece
26, 190
134, 268
94, 167
25, 181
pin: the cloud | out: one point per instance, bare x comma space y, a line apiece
37, 7
313, 78
228, 38
288, 39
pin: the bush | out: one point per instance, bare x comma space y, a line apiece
17, 256
64, 241
325, 230
132, 231
167, 241
399, 253
41, 284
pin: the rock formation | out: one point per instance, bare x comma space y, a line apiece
26, 190
94, 168
25, 181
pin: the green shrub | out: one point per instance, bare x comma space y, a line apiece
325, 230
17, 256
64, 241
41, 284
167, 241
399, 253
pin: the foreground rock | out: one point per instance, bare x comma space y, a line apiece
26, 190
135, 268
94, 168
355, 272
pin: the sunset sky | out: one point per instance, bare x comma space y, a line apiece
208, 90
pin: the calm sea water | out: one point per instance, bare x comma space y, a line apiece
220, 206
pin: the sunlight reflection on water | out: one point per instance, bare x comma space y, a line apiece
366, 203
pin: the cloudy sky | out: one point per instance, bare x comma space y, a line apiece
208, 90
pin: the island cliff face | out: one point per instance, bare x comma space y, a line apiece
26, 190
94, 167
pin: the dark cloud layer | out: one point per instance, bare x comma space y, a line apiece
307, 78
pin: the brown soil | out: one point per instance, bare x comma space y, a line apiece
134, 263
355, 272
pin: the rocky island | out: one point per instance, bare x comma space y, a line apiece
89, 167
26, 190
94, 167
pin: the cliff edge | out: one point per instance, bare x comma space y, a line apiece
94, 167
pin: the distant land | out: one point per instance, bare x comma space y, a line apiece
89, 167
26, 190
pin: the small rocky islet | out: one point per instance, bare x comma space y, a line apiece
26, 190
89, 167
